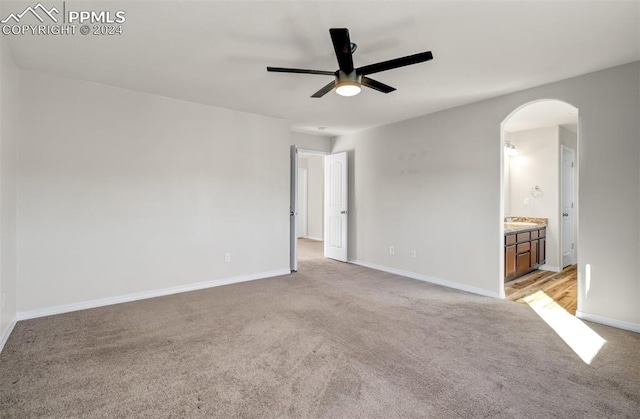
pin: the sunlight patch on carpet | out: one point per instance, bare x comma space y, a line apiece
581, 338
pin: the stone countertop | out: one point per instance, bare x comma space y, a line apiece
513, 224
510, 228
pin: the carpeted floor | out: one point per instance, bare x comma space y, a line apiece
310, 249
332, 341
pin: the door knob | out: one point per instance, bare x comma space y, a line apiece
343, 212
565, 214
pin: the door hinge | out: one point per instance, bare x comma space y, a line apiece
573, 246
572, 205
571, 164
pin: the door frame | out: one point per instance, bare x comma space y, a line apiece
502, 138
294, 152
293, 209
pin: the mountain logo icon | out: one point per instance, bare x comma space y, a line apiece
34, 11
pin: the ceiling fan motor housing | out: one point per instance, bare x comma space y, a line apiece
351, 78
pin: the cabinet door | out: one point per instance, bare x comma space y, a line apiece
534, 253
509, 261
542, 251
523, 262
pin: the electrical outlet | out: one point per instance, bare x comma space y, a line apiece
526, 201
413, 254
392, 251
227, 257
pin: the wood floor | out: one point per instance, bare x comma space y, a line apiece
562, 287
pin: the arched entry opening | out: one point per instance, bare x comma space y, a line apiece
539, 202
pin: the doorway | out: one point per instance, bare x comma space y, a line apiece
539, 149
307, 205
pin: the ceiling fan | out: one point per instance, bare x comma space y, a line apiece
347, 79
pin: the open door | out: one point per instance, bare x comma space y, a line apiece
568, 223
293, 211
335, 206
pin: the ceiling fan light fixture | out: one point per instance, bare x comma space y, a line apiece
348, 88
348, 84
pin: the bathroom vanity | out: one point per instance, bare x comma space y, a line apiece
524, 248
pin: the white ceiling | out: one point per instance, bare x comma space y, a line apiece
216, 52
545, 113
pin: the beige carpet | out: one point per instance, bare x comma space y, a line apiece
310, 249
331, 341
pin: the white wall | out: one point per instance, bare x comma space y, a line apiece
121, 192
311, 142
433, 184
8, 141
537, 164
315, 197
314, 165
568, 138
506, 187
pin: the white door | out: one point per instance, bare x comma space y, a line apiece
335, 206
302, 203
293, 208
568, 207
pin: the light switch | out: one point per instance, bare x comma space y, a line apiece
526, 201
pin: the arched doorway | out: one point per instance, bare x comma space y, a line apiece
539, 202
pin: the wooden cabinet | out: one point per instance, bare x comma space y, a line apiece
535, 245
523, 263
523, 252
510, 260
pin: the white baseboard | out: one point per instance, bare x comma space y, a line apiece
5, 334
318, 239
83, 305
634, 327
550, 268
430, 279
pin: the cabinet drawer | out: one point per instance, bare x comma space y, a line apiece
523, 237
523, 247
534, 234
510, 239
543, 232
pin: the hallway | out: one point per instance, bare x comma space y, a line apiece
310, 249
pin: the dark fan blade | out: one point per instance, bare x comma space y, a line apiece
300, 71
376, 85
342, 46
326, 89
398, 62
